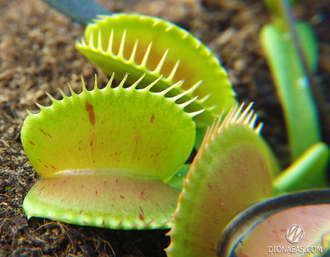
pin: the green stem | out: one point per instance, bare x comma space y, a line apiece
319, 101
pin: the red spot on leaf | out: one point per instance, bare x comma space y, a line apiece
141, 210
142, 192
53, 167
31, 143
209, 185
122, 197
91, 143
152, 118
141, 217
39, 160
119, 224
41, 188
79, 149
90, 109
46, 166
96, 192
103, 223
117, 181
80, 212
43, 132
49, 135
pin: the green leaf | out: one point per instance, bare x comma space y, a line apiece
141, 44
114, 198
177, 180
292, 85
123, 137
308, 171
231, 170
308, 42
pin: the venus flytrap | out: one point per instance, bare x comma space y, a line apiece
110, 157
104, 156
141, 44
98, 137
231, 171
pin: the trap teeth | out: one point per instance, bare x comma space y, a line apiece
159, 48
112, 140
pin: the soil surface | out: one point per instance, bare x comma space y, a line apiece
37, 55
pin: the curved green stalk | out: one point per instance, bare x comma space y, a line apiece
308, 171
292, 84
